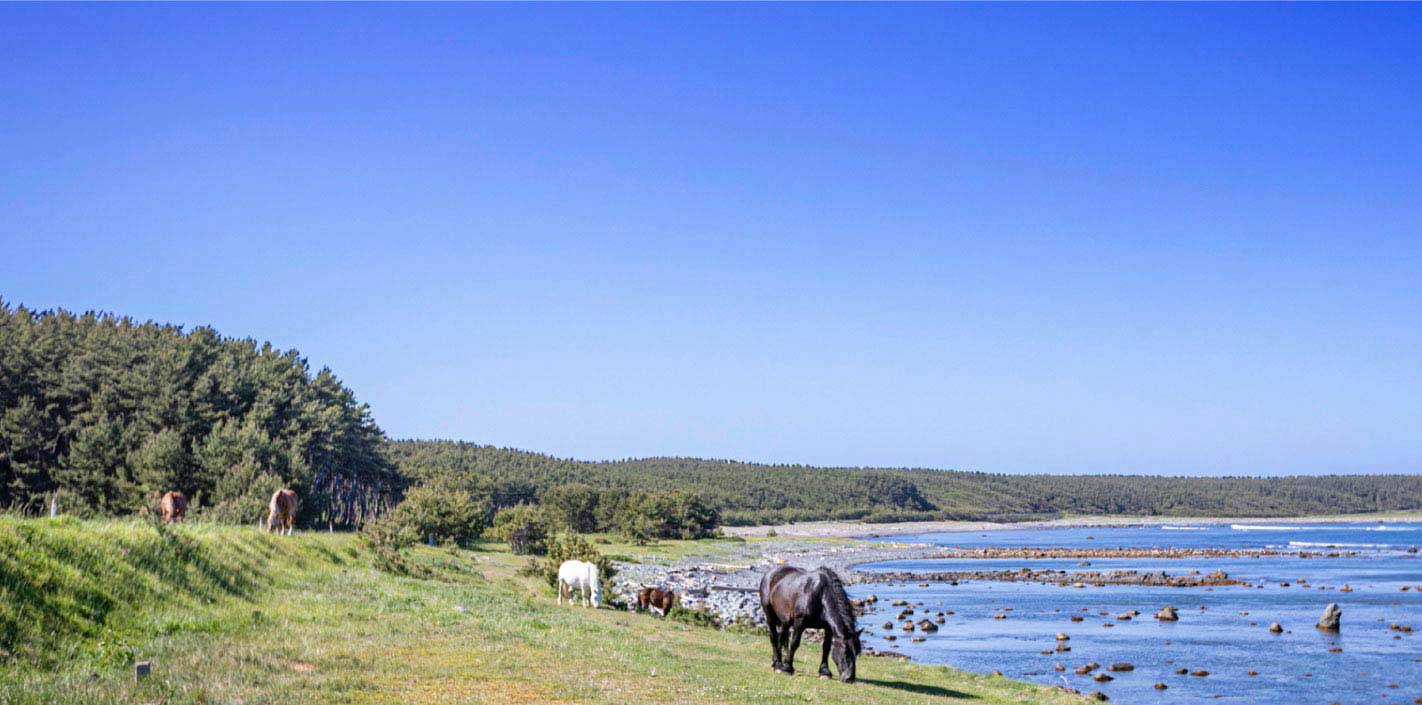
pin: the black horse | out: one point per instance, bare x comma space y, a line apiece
795, 600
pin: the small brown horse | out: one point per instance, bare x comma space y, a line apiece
174, 506
795, 600
656, 599
281, 513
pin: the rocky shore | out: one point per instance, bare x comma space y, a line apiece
726, 587
853, 529
725, 584
1030, 553
1059, 577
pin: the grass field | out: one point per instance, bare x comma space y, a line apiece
228, 615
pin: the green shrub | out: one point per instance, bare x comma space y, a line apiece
569, 547
523, 527
572, 507
387, 538
699, 618
643, 517
445, 514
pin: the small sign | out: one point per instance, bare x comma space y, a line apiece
141, 670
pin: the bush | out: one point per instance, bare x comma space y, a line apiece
643, 517
386, 538
524, 528
570, 547
697, 617
572, 507
445, 514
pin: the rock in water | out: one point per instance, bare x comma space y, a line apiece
1331, 617
1167, 614
1276, 627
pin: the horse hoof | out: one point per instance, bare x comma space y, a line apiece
825, 676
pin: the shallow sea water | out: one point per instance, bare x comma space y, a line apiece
1294, 667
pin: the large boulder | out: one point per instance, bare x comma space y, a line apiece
1331, 617
1167, 614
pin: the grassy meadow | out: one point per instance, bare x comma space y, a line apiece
229, 615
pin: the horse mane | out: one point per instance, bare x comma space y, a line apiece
840, 613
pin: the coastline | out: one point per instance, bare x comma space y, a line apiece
859, 529
722, 578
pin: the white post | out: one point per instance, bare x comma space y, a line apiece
54, 505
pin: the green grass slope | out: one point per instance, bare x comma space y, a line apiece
228, 615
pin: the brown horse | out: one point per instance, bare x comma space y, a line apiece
657, 600
174, 506
281, 513
795, 600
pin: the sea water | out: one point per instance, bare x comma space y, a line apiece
1212, 634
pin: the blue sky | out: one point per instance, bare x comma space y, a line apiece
1178, 239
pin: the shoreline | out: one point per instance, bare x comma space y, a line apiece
724, 583
863, 530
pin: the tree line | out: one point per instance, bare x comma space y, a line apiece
102, 412
754, 493
99, 412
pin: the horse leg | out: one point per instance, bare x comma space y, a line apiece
797, 628
824, 655
772, 625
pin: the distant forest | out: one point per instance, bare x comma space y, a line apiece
103, 412
752, 493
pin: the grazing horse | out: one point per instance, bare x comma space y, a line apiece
581, 576
281, 512
795, 600
656, 600
174, 506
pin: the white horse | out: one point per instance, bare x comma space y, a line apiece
580, 576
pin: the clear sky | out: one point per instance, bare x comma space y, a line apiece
1015, 238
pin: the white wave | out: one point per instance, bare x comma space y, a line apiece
1263, 527
1381, 527
1184, 528
1335, 544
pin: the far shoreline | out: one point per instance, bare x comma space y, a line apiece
863, 530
